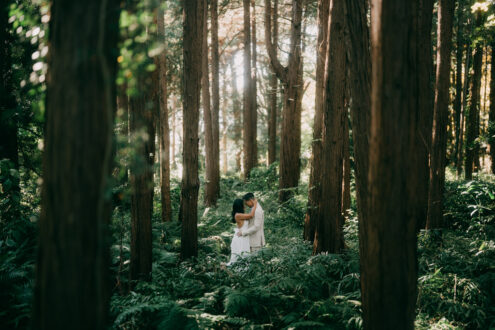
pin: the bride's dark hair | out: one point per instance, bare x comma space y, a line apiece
237, 207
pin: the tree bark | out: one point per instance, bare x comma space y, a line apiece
346, 182
215, 89
425, 101
72, 283
473, 115
249, 137
358, 42
388, 251
329, 231
174, 114
210, 113
272, 110
225, 127
440, 113
314, 189
254, 81
237, 115
192, 55
164, 136
142, 117
467, 78
491, 116
290, 76
458, 81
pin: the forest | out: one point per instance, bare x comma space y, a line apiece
135, 133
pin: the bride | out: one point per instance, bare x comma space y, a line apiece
240, 244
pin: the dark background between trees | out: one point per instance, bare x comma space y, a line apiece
365, 128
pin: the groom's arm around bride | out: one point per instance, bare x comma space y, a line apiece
255, 229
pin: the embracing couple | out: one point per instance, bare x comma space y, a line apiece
249, 236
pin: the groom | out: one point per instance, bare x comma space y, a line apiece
255, 229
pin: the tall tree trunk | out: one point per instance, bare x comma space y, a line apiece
142, 117
273, 107
388, 259
472, 134
491, 116
458, 81
329, 231
440, 113
467, 77
225, 128
358, 42
215, 89
210, 117
314, 189
164, 136
291, 79
425, 101
254, 89
346, 182
192, 55
72, 283
175, 107
249, 137
236, 108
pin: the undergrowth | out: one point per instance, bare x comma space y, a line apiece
283, 286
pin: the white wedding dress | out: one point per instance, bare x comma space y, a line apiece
240, 244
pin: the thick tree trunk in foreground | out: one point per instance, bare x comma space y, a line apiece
249, 137
329, 231
472, 133
388, 259
346, 181
193, 36
316, 166
290, 76
273, 90
164, 136
491, 119
72, 282
440, 113
360, 89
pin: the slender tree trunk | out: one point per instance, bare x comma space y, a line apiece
346, 182
458, 81
440, 113
291, 79
273, 107
254, 89
164, 136
215, 89
175, 107
491, 118
192, 55
314, 189
142, 120
388, 259
237, 115
358, 42
467, 77
225, 128
211, 144
249, 137
425, 101
473, 115
329, 231
72, 283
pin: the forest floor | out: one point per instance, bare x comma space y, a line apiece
284, 286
